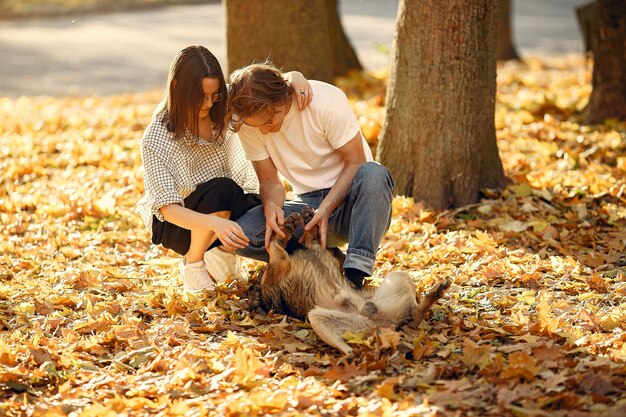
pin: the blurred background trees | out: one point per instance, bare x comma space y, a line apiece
505, 47
608, 46
438, 138
296, 35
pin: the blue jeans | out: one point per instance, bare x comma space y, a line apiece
361, 220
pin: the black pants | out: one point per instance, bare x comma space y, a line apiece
218, 194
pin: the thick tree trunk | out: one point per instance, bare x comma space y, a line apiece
438, 139
608, 97
587, 16
343, 56
294, 34
505, 50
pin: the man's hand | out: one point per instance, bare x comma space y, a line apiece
320, 218
274, 219
272, 196
353, 156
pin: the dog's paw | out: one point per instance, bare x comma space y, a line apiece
291, 222
307, 213
437, 291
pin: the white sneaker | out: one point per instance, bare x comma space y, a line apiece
195, 277
222, 265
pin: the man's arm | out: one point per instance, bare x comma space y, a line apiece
272, 197
353, 157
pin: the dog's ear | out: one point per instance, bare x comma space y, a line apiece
253, 294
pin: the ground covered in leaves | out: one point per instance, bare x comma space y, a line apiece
93, 320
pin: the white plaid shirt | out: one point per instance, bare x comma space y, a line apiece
174, 168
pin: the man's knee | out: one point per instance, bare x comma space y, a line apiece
253, 225
374, 176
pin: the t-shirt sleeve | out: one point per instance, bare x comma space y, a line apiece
340, 123
253, 144
159, 182
243, 172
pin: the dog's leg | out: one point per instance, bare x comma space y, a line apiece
279, 262
278, 267
277, 244
394, 301
330, 325
310, 236
435, 293
289, 226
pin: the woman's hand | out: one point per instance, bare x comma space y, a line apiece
229, 233
301, 88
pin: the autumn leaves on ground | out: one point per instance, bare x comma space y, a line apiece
94, 321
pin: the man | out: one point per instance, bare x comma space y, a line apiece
322, 153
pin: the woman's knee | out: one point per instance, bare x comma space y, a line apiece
225, 186
218, 194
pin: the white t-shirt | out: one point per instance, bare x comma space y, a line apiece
303, 150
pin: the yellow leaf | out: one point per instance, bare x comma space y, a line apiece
521, 190
388, 338
546, 320
178, 408
527, 297
358, 338
107, 204
97, 410
248, 368
231, 339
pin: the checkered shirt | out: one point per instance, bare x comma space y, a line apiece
173, 168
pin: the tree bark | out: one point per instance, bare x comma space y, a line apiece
505, 50
294, 34
344, 58
608, 97
438, 139
587, 16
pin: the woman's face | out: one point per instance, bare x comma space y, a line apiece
210, 87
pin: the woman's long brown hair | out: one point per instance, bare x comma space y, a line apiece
183, 93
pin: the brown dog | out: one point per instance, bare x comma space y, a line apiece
310, 284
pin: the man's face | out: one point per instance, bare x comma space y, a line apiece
268, 122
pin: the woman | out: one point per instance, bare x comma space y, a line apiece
197, 180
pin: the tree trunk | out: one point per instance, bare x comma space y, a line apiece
505, 50
438, 139
343, 56
587, 16
608, 97
295, 35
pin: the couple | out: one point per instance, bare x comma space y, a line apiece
212, 157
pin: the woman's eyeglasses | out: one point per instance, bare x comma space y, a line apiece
214, 98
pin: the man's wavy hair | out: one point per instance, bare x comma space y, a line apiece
256, 89
183, 95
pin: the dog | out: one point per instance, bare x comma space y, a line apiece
309, 284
